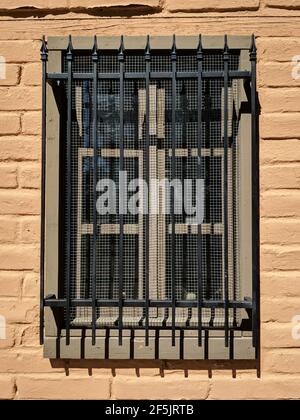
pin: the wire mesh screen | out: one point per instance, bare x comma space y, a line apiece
158, 277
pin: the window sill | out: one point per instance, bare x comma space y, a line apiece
160, 346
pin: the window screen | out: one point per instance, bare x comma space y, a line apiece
150, 188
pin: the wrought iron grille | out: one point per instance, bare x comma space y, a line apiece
163, 115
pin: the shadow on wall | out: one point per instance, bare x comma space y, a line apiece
109, 11
181, 366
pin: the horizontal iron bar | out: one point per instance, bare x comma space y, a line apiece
153, 75
61, 303
164, 328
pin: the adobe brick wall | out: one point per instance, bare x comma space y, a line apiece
23, 371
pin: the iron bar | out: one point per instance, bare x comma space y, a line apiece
44, 59
86, 172
147, 171
208, 110
135, 105
199, 143
95, 58
112, 243
216, 304
184, 110
153, 75
255, 194
121, 58
69, 182
173, 175
225, 197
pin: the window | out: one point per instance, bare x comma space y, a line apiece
149, 203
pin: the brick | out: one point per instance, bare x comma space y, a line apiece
274, 335
20, 98
276, 151
30, 230
9, 123
271, 387
280, 257
59, 387
192, 388
280, 126
280, 232
20, 312
283, 4
32, 74
12, 75
8, 230
20, 148
23, 51
280, 204
31, 123
51, 4
14, 257
280, 310
31, 285
284, 284
278, 49
13, 202
281, 361
277, 75
213, 5
10, 283
30, 337
7, 388
29, 176
279, 100
26, 360
147, 369
8, 176
280, 177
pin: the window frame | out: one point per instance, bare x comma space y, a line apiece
53, 335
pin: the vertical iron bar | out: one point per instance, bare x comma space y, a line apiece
173, 174
225, 198
44, 59
135, 106
86, 173
147, 169
95, 159
69, 183
208, 145
184, 110
199, 237
121, 169
255, 194
112, 241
